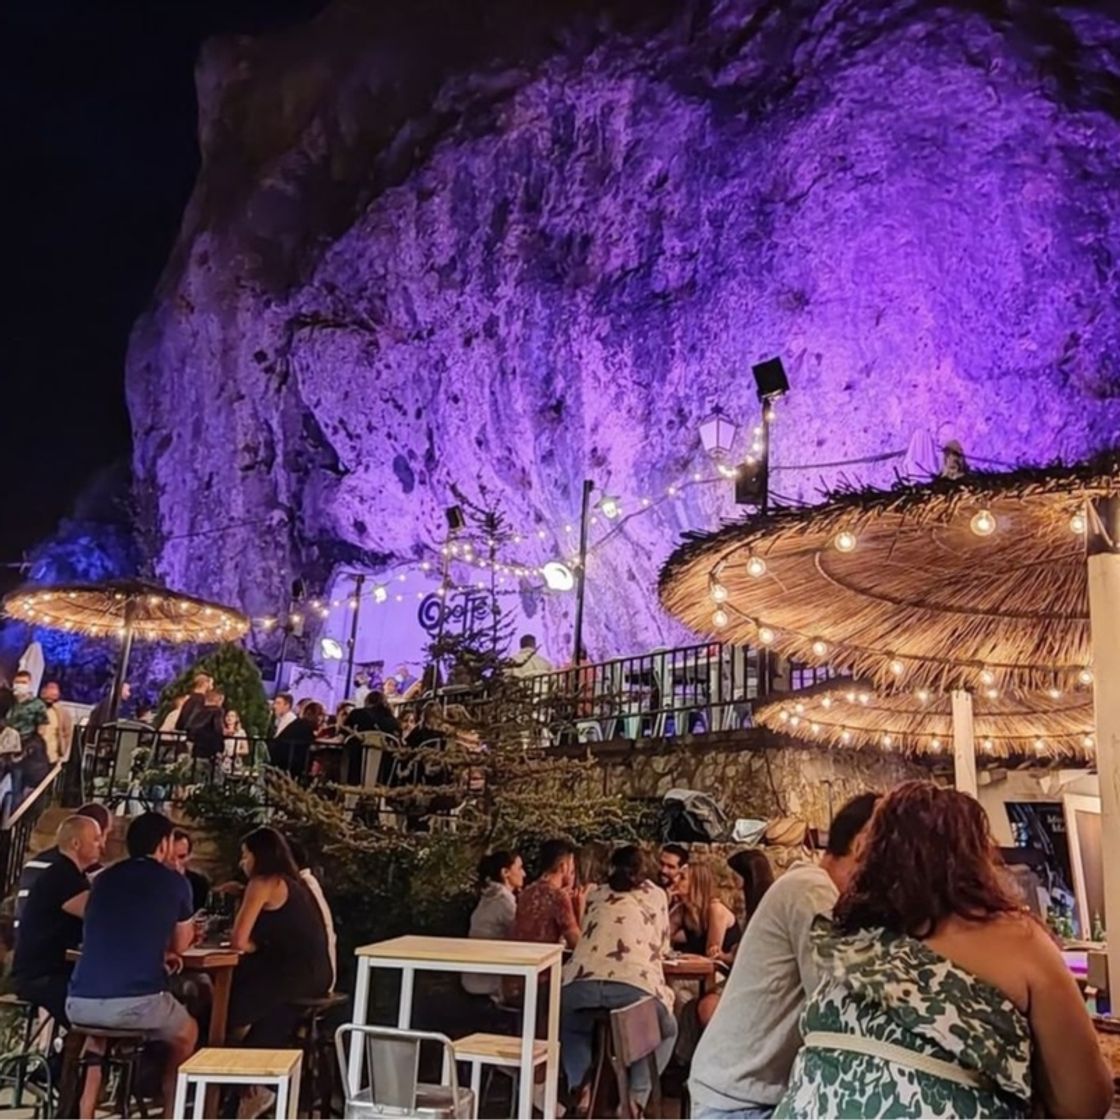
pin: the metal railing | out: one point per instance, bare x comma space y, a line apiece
18, 827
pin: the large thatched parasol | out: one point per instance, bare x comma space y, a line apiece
126, 609
1048, 727
968, 583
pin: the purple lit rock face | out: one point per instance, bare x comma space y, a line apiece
510, 256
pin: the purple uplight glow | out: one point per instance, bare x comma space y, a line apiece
567, 289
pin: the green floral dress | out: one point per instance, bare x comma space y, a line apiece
895, 990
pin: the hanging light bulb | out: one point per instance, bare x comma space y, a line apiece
380, 593
845, 736
765, 636
820, 648
794, 721
1054, 693
799, 708
784, 716
609, 507
923, 696
1087, 742
887, 741
988, 745
987, 677
814, 728
719, 618
756, 567
845, 541
718, 592
983, 524
1077, 524
1039, 745
826, 702
896, 667
935, 744
1085, 676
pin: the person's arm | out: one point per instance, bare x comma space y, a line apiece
76, 906
182, 938
256, 895
720, 920
801, 910
1073, 1078
569, 921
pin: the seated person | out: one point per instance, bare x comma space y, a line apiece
550, 909
139, 910
51, 918
502, 875
308, 878
181, 849
374, 715
290, 746
708, 926
617, 962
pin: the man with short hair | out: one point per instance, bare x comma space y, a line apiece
58, 728
528, 662
671, 862
51, 918
139, 910
550, 909
742, 1063
200, 686
28, 713
292, 737
282, 713
179, 859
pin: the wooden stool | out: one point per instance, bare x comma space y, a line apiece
219, 1066
319, 1066
123, 1051
500, 1050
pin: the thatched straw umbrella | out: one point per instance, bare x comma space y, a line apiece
853, 715
126, 609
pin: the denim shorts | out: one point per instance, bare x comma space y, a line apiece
159, 1015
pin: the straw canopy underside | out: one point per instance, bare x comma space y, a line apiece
103, 610
900, 588
1047, 726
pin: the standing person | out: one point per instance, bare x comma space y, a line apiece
100, 714
528, 662
196, 699
170, 722
617, 962
743, 1059
282, 937
361, 688
283, 713
51, 918
28, 713
58, 730
549, 910
502, 875
138, 911
290, 747
941, 995
205, 728
235, 745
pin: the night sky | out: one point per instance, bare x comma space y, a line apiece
100, 160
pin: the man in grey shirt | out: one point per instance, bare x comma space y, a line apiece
742, 1064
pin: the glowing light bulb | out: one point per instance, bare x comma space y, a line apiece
1054, 693
826, 702
896, 667
814, 728
784, 716
799, 709
1077, 524
935, 744
988, 744
1085, 676
719, 618
992, 694
380, 593
845, 736
1087, 742
888, 741
1039, 745
865, 698
718, 592
987, 677
765, 636
794, 721
923, 696
983, 524
845, 541
820, 649
756, 567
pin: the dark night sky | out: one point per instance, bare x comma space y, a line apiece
100, 157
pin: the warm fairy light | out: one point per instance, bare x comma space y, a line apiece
851, 695
794, 721
784, 716
296, 619
799, 708
756, 567
765, 636
1087, 742
992, 693
896, 667
845, 541
865, 698
887, 741
718, 592
1054, 693
1077, 524
814, 728
352, 603
719, 618
845, 736
988, 744
380, 593
935, 744
987, 677
1039, 745
1085, 676
923, 696
983, 524
826, 702
820, 649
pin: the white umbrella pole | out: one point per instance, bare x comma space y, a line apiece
1104, 617
964, 743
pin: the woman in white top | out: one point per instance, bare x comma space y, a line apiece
236, 744
502, 875
617, 962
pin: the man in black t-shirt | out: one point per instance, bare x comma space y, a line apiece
51, 921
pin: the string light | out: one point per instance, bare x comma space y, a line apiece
987, 677
1054, 693
765, 636
718, 592
845, 541
820, 649
1085, 676
896, 667
923, 696
1039, 745
988, 745
380, 593
756, 567
935, 744
983, 524
1077, 524
719, 618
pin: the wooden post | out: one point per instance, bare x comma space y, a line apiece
964, 743
1103, 540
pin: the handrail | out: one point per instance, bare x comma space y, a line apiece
33, 797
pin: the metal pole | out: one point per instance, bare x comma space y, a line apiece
581, 574
964, 743
765, 658
121, 675
1104, 609
359, 582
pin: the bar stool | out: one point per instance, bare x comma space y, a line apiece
501, 1051
220, 1066
123, 1051
317, 1044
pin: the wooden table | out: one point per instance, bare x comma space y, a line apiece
461, 954
691, 966
219, 963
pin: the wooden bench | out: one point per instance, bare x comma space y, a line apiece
221, 1066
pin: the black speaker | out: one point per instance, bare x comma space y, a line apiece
750, 483
770, 377
455, 520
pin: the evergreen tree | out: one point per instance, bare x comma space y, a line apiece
236, 674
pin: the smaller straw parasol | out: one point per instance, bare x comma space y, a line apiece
1048, 726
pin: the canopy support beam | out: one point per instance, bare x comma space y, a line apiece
964, 743
1104, 616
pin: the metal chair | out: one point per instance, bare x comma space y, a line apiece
392, 1060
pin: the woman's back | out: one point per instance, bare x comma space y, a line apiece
292, 938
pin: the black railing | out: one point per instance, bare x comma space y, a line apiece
18, 828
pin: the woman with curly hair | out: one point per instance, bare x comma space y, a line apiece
942, 996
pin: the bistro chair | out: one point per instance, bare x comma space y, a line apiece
635, 1037
391, 1059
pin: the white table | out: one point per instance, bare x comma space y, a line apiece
461, 954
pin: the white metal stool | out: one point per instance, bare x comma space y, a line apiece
501, 1050
221, 1066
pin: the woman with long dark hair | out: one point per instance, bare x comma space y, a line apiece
280, 931
942, 996
501, 875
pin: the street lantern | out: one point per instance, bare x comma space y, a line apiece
717, 434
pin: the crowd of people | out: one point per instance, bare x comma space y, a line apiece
133, 920
898, 975
36, 733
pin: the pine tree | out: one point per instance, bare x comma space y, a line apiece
236, 674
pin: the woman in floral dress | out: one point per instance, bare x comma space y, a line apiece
942, 996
